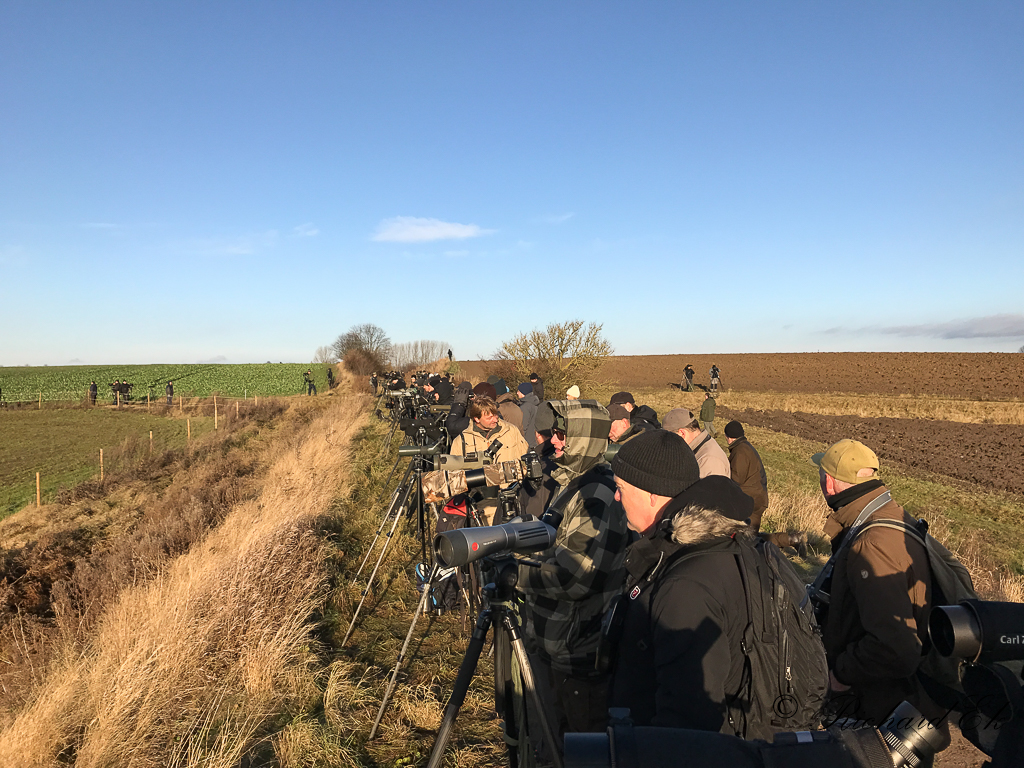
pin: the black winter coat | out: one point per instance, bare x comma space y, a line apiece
644, 413
678, 661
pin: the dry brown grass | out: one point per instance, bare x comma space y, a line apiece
196, 666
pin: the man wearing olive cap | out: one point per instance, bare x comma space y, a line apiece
880, 590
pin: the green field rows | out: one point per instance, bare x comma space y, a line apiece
71, 382
63, 446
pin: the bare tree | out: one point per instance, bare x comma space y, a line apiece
324, 356
1021, 348
564, 354
417, 353
366, 337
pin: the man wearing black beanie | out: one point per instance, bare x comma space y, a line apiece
679, 662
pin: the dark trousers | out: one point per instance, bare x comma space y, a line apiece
573, 705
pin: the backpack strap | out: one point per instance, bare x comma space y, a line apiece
701, 444
816, 590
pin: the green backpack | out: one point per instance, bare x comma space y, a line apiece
951, 583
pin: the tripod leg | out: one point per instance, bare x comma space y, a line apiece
461, 687
405, 647
380, 559
526, 671
384, 522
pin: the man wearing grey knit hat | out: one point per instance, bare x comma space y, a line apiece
678, 662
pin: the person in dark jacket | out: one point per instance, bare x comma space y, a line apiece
747, 470
636, 413
169, 390
881, 591
528, 402
678, 662
457, 420
93, 390
568, 594
622, 429
688, 374
538, 386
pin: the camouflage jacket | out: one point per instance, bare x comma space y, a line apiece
567, 596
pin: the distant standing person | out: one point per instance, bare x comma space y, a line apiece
373, 382
330, 377
538, 386
449, 355
707, 414
688, 378
93, 389
715, 378
169, 389
307, 377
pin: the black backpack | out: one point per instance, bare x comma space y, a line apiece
785, 680
785, 676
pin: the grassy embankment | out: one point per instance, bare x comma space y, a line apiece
183, 637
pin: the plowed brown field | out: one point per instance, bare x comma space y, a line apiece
978, 376
987, 454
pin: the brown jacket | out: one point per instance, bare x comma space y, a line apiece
748, 471
510, 411
711, 459
881, 588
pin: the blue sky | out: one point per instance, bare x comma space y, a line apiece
245, 181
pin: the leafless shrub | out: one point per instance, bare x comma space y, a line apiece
418, 354
324, 356
363, 363
366, 337
564, 354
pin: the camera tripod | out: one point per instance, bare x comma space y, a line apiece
501, 615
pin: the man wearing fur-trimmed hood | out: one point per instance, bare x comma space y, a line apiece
580, 574
678, 661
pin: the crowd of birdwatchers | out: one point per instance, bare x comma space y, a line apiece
660, 554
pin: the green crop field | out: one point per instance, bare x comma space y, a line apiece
63, 446
71, 382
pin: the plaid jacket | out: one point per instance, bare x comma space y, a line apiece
566, 597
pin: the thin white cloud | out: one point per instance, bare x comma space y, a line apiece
559, 218
215, 359
411, 229
306, 230
1006, 326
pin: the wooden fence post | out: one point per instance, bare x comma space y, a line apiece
151, 441
39, 502
147, 401
40, 401
236, 409
101, 465
188, 425
181, 409
214, 411
255, 400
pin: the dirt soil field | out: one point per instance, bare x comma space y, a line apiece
987, 454
978, 376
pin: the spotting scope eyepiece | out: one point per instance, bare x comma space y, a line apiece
465, 545
978, 630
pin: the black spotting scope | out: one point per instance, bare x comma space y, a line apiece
464, 545
978, 630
